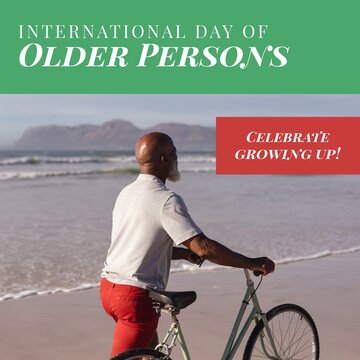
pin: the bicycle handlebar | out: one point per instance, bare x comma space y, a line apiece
247, 273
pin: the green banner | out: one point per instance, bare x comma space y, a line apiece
160, 47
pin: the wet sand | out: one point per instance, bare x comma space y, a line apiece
74, 327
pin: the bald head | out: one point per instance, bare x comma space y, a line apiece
150, 147
156, 154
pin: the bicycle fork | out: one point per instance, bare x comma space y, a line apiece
262, 316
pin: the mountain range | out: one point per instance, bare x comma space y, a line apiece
113, 135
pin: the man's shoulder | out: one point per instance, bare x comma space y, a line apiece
174, 200
148, 188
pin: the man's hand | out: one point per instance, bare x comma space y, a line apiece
186, 254
262, 264
194, 259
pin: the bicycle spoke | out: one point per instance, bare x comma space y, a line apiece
268, 348
292, 334
297, 327
298, 341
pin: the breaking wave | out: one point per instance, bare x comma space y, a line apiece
29, 175
38, 160
183, 268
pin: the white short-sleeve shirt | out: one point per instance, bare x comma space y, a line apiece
148, 219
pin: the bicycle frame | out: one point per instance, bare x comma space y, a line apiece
177, 334
235, 339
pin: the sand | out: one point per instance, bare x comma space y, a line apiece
74, 326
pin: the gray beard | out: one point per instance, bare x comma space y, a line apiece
174, 173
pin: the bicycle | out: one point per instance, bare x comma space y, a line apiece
286, 332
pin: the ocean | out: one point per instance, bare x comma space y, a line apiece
55, 215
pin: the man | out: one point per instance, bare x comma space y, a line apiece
147, 220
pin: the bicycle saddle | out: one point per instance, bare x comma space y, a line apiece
179, 299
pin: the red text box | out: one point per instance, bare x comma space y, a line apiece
288, 145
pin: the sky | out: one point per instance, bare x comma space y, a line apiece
19, 112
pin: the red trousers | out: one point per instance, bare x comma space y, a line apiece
131, 308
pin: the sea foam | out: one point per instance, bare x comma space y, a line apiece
184, 268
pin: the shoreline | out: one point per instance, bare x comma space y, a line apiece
74, 325
191, 269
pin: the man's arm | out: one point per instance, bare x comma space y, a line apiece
217, 253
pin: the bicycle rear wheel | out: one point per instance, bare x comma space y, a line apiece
141, 354
294, 333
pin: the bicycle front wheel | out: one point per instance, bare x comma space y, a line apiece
294, 334
141, 354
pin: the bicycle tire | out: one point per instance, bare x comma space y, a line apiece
141, 353
294, 333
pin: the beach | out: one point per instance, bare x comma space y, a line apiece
56, 210
74, 326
